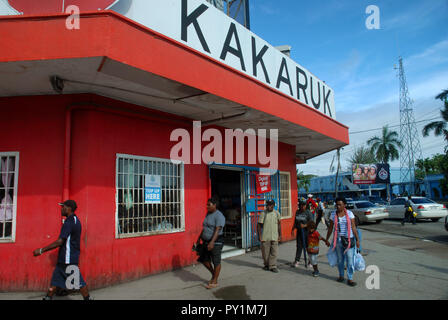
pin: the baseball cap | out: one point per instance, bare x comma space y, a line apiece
69, 203
270, 202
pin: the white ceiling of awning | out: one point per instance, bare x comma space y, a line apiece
126, 83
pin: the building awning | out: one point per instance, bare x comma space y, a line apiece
116, 57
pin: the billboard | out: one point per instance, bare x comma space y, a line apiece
370, 173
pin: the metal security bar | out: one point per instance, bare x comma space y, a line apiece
9, 167
139, 217
256, 203
285, 194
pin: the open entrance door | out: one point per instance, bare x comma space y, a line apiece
226, 187
241, 200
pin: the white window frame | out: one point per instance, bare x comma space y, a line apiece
289, 193
12, 239
181, 189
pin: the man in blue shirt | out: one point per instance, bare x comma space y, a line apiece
68, 257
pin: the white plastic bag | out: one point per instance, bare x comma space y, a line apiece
359, 262
332, 257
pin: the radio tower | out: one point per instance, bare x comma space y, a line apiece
409, 136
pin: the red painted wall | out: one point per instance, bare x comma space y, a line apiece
34, 126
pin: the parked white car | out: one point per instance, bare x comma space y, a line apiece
424, 207
366, 211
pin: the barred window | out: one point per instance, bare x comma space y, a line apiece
9, 168
285, 194
149, 196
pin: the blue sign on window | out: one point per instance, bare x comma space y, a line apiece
153, 189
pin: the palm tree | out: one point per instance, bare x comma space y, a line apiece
303, 180
440, 127
385, 147
361, 155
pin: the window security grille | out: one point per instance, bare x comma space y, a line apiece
285, 194
135, 217
9, 167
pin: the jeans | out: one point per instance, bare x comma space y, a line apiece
345, 259
299, 242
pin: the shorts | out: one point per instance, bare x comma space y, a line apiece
59, 278
313, 258
214, 255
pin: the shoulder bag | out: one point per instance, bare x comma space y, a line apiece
344, 240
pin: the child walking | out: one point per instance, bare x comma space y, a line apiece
313, 246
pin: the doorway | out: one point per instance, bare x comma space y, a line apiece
226, 187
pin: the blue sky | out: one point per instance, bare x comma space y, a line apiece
330, 38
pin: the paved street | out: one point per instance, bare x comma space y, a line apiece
411, 265
424, 229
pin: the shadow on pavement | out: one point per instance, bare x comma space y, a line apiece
438, 238
244, 263
187, 276
232, 293
438, 269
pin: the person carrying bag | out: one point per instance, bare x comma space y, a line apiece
342, 222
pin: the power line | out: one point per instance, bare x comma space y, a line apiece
394, 126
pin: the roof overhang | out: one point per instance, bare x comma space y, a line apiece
113, 56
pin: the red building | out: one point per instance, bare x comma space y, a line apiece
88, 114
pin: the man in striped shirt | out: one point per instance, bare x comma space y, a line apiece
66, 275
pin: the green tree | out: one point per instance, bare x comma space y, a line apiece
432, 165
444, 170
440, 127
361, 155
385, 147
438, 164
304, 180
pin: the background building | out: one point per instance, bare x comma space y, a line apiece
324, 187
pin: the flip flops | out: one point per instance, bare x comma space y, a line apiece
211, 285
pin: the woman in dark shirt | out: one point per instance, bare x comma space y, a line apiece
303, 216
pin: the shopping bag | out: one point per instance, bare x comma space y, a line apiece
332, 257
359, 262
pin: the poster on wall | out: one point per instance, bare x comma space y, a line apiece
153, 189
263, 183
370, 173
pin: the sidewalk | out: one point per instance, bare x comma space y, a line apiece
404, 274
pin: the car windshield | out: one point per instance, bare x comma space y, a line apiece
398, 202
421, 200
365, 204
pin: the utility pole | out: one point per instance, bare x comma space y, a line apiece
338, 154
410, 150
